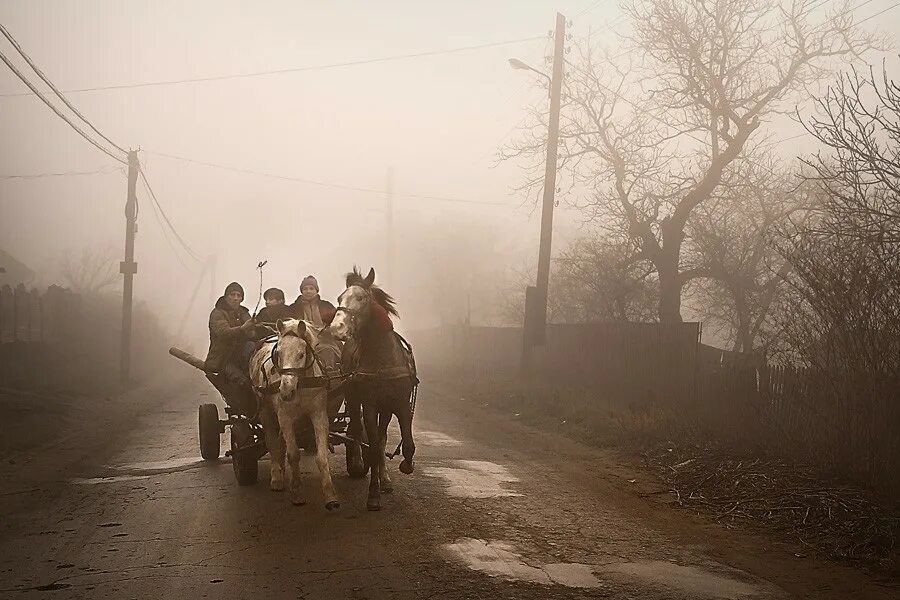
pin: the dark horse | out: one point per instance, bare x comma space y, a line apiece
384, 374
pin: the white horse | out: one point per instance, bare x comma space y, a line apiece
282, 373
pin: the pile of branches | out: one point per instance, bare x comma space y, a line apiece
840, 521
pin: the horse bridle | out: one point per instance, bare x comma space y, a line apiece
311, 359
354, 314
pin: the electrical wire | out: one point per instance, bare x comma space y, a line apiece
101, 171
80, 132
878, 14
588, 9
165, 217
165, 233
56, 91
320, 183
324, 67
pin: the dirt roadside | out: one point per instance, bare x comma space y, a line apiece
638, 492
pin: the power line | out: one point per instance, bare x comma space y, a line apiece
165, 217
324, 67
878, 14
102, 171
80, 132
588, 9
320, 183
165, 232
56, 91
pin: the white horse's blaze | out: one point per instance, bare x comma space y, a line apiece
283, 410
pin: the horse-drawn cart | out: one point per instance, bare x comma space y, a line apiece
247, 439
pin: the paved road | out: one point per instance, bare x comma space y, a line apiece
121, 507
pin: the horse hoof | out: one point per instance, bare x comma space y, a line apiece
277, 486
298, 501
406, 467
332, 506
373, 506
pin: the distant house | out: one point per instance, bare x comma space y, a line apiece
12, 271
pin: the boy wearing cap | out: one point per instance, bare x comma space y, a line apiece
309, 306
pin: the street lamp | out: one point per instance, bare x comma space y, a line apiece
535, 330
517, 64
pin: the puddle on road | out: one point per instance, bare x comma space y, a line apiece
162, 466
689, 580
116, 479
499, 559
475, 479
436, 438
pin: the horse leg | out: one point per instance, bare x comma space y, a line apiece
319, 417
407, 445
355, 467
274, 444
286, 418
384, 419
370, 419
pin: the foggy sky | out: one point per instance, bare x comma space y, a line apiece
437, 121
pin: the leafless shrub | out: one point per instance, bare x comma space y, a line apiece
91, 271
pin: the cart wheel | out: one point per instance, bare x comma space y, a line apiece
209, 431
244, 462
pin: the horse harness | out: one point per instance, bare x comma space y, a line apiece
320, 381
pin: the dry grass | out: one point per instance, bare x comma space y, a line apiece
734, 484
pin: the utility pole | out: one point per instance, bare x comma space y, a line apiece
543, 273
213, 280
128, 267
389, 228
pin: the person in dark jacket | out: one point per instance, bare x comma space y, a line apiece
275, 307
230, 328
309, 306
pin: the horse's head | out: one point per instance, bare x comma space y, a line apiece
354, 305
293, 353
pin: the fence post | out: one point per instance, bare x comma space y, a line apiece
28, 298
15, 315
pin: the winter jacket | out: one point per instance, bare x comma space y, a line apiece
225, 334
326, 310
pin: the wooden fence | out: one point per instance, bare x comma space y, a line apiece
837, 422
845, 427
644, 361
29, 316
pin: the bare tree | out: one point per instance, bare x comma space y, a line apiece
91, 271
597, 279
859, 123
843, 310
733, 251
656, 138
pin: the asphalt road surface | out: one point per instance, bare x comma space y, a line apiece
120, 506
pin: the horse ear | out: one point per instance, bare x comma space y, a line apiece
370, 278
280, 326
301, 328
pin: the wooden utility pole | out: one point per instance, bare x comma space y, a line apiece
389, 228
128, 267
543, 273
213, 292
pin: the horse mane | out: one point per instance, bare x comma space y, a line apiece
382, 298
